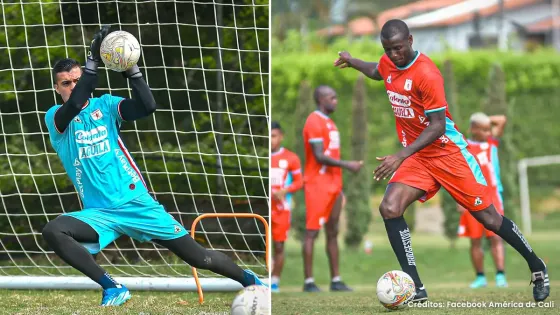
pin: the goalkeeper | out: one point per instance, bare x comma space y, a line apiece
84, 132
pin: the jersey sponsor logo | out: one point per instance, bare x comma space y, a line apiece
97, 114
79, 184
334, 138
403, 112
277, 176
77, 162
94, 150
92, 136
408, 85
398, 99
126, 166
482, 158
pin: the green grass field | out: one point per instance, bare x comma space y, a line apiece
87, 302
446, 273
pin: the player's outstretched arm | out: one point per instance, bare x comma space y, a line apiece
317, 147
369, 69
85, 86
142, 103
498, 125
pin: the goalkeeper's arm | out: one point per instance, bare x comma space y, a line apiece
142, 103
85, 86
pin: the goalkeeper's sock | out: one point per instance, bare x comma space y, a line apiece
107, 282
510, 233
399, 237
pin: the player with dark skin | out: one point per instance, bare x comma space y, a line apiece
398, 47
326, 100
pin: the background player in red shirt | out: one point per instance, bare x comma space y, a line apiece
285, 178
434, 154
483, 144
323, 185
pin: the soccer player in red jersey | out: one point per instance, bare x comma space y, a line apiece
435, 154
483, 144
285, 178
323, 185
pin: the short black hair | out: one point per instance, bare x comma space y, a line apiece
393, 28
64, 65
276, 125
319, 91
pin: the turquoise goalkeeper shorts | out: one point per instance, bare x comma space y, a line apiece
143, 219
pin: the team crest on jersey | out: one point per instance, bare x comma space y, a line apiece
477, 201
97, 114
283, 164
77, 119
484, 146
389, 79
177, 229
408, 85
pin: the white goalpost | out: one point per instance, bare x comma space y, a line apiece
204, 151
524, 196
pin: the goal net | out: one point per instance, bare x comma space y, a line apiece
205, 150
536, 172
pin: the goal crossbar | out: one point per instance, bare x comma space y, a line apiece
525, 200
227, 215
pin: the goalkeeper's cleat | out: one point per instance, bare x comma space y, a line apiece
340, 286
275, 288
479, 282
115, 296
311, 287
501, 281
252, 278
541, 288
421, 295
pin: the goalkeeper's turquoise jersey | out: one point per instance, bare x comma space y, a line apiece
95, 157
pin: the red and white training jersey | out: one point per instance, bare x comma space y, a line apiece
486, 153
321, 128
414, 91
285, 173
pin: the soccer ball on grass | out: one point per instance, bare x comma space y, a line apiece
395, 289
252, 300
120, 51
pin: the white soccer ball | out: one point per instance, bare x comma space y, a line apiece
252, 300
120, 51
395, 289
